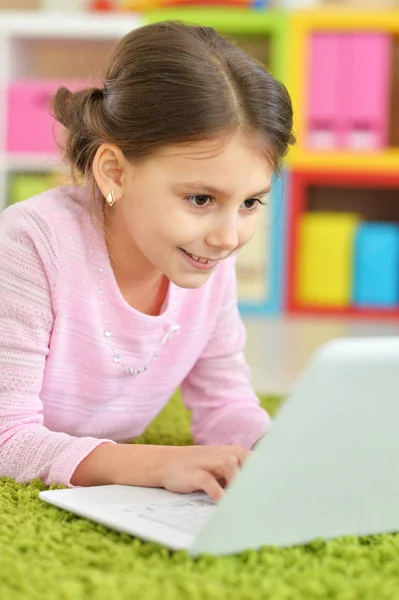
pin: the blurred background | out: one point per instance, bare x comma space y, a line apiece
324, 262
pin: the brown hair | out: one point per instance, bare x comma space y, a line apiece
169, 83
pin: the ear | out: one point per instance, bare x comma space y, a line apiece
108, 170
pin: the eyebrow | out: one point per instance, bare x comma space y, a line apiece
215, 191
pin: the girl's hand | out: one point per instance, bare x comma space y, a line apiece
180, 469
207, 468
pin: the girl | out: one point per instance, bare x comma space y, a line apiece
115, 292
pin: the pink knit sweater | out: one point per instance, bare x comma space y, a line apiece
79, 366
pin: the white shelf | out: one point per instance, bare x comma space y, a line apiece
79, 25
31, 162
87, 34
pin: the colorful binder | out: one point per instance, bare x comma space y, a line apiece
325, 271
376, 265
324, 90
368, 91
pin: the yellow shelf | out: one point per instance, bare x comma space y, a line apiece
301, 25
328, 18
386, 161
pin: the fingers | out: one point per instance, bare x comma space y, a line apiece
224, 466
206, 468
238, 451
227, 467
202, 480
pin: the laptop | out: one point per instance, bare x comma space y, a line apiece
328, 467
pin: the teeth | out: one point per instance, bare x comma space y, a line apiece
198, 259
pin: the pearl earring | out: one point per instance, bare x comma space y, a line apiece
111, 198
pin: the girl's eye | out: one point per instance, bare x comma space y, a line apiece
252, 203
200, 201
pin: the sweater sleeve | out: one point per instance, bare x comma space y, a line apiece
218, 390
29, 273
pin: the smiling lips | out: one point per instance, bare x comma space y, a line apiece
200, 262
204, 261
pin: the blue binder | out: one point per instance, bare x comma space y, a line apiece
376, 266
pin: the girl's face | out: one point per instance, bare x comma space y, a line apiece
188, 207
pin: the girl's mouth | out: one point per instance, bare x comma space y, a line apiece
198, 261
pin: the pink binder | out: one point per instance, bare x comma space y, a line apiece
367, 112
324, 91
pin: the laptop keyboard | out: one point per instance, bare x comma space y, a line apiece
188, 516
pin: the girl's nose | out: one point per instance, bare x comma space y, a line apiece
224, 236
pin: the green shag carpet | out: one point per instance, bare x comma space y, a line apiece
46, 553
